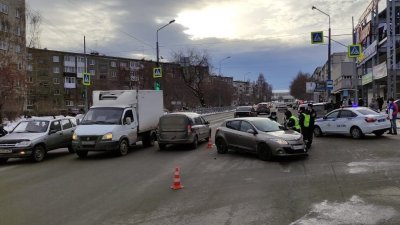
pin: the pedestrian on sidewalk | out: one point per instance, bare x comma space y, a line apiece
392, 112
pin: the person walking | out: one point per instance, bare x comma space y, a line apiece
292, 122
374, 105
392, 111
304, 121
380, 103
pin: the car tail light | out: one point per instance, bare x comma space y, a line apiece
370, 120
189, 128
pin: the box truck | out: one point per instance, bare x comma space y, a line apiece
117, 120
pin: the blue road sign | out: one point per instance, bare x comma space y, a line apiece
317, 37
86, 79
329, 84
354, 51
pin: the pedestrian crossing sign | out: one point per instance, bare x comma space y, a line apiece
157, 72
86, 79
317, 37
354, 51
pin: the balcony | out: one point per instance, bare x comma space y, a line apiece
342, 84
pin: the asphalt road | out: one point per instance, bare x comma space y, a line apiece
342, 181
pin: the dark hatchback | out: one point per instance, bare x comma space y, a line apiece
245, 111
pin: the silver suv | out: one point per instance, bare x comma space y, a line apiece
33, 138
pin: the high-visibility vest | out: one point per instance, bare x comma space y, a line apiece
296, 122
306, 120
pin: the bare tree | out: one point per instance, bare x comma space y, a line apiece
11, 92
34, 20
298, 86
195, 67
262, 89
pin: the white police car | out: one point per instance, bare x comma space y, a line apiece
353, 121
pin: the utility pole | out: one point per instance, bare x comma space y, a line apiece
355, 75
86, 89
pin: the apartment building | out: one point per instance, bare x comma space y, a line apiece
12, 33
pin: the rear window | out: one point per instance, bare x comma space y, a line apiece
173, 122
367, 112
244, 109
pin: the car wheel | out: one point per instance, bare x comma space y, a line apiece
123, 147
317, 131
38, 153
222, 147
356, 133
264, 153
82, 154
3, 160
379, 133
162, 146
70, 149
194, 143
149, 140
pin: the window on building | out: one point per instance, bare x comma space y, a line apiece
17, 13
81, 59
56, 69
30, 79
3, 8
69, 103
80, 69
56, 58
17, 48
29, 102
20, 66
3, 45
92, 72
113, 73
56, 92
18, 31
92, 62
123, 64
113, 64
56, 80
69, 69
29, 67
69, 58
67, 91
70, 80
29, 56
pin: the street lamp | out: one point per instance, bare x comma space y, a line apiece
158, 58
220, 63
329, 45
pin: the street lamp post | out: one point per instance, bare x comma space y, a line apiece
220, 61
329, 46
158, 57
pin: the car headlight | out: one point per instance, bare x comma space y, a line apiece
280, 141
23, 144
74, 137
107, 136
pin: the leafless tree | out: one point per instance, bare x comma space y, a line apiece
262, 89
195, 66
34, 20
298, 86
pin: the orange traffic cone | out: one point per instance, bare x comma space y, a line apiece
209, 145
177, 180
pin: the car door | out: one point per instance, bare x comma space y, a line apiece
328, 123
232, 133
67, 131
55, 138
198, 126
344, 121
206, 128
246, 140
129, 130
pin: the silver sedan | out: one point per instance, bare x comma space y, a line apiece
262, 136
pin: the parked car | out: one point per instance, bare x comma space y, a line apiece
321, 108
280, 106
182, 128
245, 111
353, 121
35, 137
258, 135
263, 107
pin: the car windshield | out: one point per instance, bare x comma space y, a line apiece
244, 109
103, 116
37, 126
367, 111
267, 125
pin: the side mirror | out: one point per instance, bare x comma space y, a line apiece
251, 131
207, 122
128, 121
78, 121
324, 117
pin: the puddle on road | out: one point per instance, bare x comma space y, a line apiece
354, 211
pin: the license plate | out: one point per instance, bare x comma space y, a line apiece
88, 142
382, 120
298, 147
5, 151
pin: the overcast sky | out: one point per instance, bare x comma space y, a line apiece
260, 36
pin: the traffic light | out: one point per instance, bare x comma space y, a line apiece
157, 85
